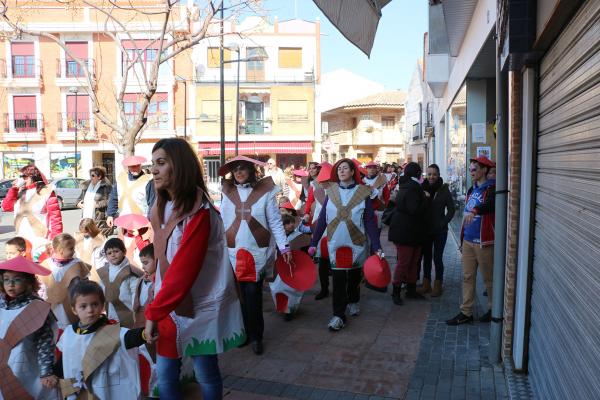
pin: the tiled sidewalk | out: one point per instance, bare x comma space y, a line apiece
453, 361
371, 358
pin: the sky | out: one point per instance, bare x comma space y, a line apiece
398, 44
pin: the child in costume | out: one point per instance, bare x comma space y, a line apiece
287, 299
119, 283
16, 246
26, 334
135, 232
89, 243
66, 271
100, 358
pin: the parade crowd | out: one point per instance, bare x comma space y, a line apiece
158, 281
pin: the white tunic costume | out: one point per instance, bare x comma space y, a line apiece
117, 377
253, 226
126, 292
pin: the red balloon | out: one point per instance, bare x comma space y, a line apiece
377, 271
300, 273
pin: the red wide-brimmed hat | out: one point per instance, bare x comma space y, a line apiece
483, 160
377, 271
300, 273
133, 160
357, 167
325, 172
131, 221
228, 166
21, 264
288, 206
371, 164
300, 172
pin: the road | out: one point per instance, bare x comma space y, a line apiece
71, 220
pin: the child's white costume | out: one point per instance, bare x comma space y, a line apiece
119, 284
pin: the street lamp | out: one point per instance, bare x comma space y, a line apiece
180, 79
74, 90
260, 55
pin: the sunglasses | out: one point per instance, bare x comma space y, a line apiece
240, 168
93, 175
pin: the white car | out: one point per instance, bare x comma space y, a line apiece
67, 191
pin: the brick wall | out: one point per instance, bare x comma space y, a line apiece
514, 178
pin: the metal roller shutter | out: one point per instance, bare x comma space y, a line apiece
564, 347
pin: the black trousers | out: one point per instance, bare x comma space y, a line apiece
252, 309
346, 289
324, 268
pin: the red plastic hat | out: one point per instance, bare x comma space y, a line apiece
300, 172
288, 206
228, 166
133, 160
377, 271
484, 161
131, 221
21, 264
300, 274
372, 164
334, 175
325, 172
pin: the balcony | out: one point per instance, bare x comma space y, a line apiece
19, 73
23, 127
66, 123
368, 137
256, 127
70, 73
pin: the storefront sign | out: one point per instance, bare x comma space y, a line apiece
13, 162
62, 165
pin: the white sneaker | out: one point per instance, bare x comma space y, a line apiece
335, 324
353, 309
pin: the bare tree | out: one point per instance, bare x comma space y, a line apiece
172, 29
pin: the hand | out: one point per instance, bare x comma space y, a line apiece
150, 332
49, 381
469, 218
19, 182
306, 218
287, 256
427, 194
311, 251
109, 222
380, 254
80, 204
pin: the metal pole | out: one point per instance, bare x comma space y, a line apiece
185, 109
237, 105
501, 212
76, 126
222, 86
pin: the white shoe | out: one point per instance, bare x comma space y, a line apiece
335, 324
353, 309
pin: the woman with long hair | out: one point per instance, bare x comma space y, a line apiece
35, 205
93, 199
196, 310
254, 230
347, 214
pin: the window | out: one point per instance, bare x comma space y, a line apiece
290, 57
211, 110
23, 60
213, 57
140, 52
254, 118
292, 110
80, 51
158, 110
131, 107
68, 184
388, 122
255, 70
78, 115
25, 116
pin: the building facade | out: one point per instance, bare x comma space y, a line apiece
276, 107
46, 109
368, 129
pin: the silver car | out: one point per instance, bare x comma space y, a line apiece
67, 191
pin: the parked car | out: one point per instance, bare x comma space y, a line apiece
5, 184
67, 191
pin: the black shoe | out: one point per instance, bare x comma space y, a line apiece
396, 296
411, 292
460, 319
322, 294
485, 293
487, 317
288, 316
375, 288
257, 347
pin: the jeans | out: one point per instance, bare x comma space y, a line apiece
436, 243
252, 309
346, 289
206, 370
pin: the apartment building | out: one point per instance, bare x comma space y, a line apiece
276, 103
45, 106
370, 128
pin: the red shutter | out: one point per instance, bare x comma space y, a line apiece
83, 105
131, 97
79, 49
160, 97
22, 49
140, 44
24, 105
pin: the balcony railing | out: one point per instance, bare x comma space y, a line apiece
254, 127
72, 69
19, 68
23, 122
69, 121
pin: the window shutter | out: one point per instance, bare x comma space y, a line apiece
290, 57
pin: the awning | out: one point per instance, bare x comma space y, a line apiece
253, 148
357, 20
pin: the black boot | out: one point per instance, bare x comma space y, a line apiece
396, 297
411, 292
